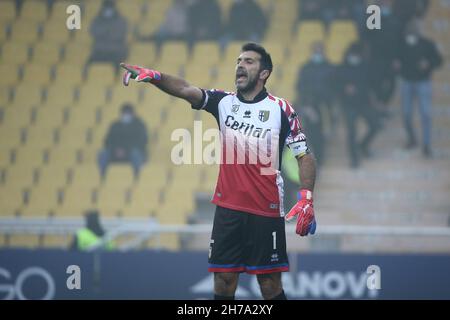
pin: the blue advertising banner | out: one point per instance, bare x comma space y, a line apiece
58, 274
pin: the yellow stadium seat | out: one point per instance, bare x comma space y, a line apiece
15, 53
56, 241
7, 11
46, 53
310, 30
42, 202
120, 175
344, 27
56, 32
206, 54
174, 53
35, 11
11, 200
277, 53
92, 95
54, 176
77, 53
68, 74
27, 94
29, 241
198, 75
142, 54
62, 155
73, 137
5, 96
13, 75
91, 9
36, 74
15, 118
82, 116
85, 177
59, 95
173, 213
5, 155
20, 177
153, 176
110, 201
131, 9
166, 241
11, 137
49, 118
29, 156
121, 95
25, 32
101, 73
75, 202
40, 137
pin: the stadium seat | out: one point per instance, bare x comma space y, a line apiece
68, 74
85, 177
62, 155
49, 118
121, 94
100, 73
73, 137
24, 32
173, 53
143, 54
166, 241
46, 54
231, 54
42, 202
119, 175
55, 32
76, 201
40, 137
15, 53
110, 200
77, 53
26, 95
11, 137
7, 11
80, 116
29, 241
37, 74
11, 200
206, 54
131, 10
16, 118
144, 201
59, 95
93, 95
34, 11
20, 176
198, 74
5, 96
54, 176
13, 75
56, 241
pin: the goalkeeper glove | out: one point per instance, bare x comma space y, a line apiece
306, 222
139, 74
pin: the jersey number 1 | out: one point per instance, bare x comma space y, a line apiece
274, 236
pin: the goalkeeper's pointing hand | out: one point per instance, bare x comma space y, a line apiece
306, 222
139, 74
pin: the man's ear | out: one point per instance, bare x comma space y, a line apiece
264, 74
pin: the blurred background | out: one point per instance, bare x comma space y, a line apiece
85, 163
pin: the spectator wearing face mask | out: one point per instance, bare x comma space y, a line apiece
109, 31
126, 141
417, 59
357, 101
313, 77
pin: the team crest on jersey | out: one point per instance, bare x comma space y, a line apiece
264, 115
235, 108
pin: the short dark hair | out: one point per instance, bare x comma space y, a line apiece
266, 60
127, 107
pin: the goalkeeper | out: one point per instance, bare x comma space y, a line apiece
248, 233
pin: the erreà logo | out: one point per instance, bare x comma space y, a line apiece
264, 115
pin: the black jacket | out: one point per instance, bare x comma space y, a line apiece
127, 136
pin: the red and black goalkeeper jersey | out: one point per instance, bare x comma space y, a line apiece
253, 134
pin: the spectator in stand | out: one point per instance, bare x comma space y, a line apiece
126, 141
204, 20
109, 30
175, 25
247, 22
417, 59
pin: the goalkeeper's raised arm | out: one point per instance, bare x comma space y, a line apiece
172, 85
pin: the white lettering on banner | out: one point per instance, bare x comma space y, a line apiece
74, 280
374, 278
17, 289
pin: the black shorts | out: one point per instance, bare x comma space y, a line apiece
245, 242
